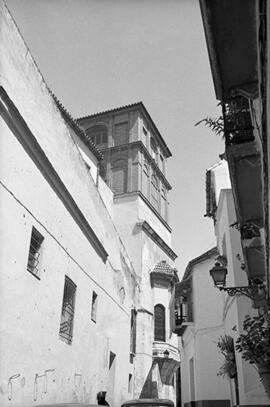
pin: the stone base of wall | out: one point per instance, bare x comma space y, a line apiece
208, 403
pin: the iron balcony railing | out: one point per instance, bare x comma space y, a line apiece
237, 121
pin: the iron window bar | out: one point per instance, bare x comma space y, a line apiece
34, 251
68, 308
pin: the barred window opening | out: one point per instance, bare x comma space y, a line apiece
67, 315
34, 252
94, 307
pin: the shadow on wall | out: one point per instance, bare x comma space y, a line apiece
150, 388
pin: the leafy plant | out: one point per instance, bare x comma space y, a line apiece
215, 124
254, 342
226, 348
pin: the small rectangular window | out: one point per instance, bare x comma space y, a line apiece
94, 307
120, 133
130, 383
68, 308
133, 331
34, 252
112, 360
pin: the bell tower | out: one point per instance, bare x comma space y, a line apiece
134, 168
135, 156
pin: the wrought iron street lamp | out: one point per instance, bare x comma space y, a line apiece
166, 353
256, 290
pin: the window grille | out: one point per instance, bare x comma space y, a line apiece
94, 307
67, 315
34, 252
237, 121
159, 322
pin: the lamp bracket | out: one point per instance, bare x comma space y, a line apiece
255, 292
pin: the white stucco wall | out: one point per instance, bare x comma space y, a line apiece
199, 340
36, 366
236, 308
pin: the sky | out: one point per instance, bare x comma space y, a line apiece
101, 54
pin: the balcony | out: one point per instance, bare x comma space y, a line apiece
238, 126
167, 357
181, 307
253, 248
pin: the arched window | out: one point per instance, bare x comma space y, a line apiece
119, 176
159, 318
99, 135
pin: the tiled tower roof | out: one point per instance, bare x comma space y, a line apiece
164, 269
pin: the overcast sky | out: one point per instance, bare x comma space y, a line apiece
100, 54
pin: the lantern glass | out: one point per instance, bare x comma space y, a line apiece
218, 273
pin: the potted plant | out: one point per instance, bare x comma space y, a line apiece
254, 345
225, 346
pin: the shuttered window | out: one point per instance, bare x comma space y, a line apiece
159, 316
120, 134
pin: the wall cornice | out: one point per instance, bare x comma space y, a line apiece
19, 128
157, 239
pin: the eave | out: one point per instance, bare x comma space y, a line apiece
26, 138
142, 109
157, 239
231, 35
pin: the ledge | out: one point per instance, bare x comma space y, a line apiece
21, 131
139, 144
148, 203
157, 239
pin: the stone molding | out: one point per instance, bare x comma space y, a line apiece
19, 128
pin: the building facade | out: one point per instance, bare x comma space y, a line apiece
87, 268
207, 317
238, 54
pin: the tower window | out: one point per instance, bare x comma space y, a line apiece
154, 192
153, 149
120, 134
34, 252
159, 323
68, 308
98, 135
119, 176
